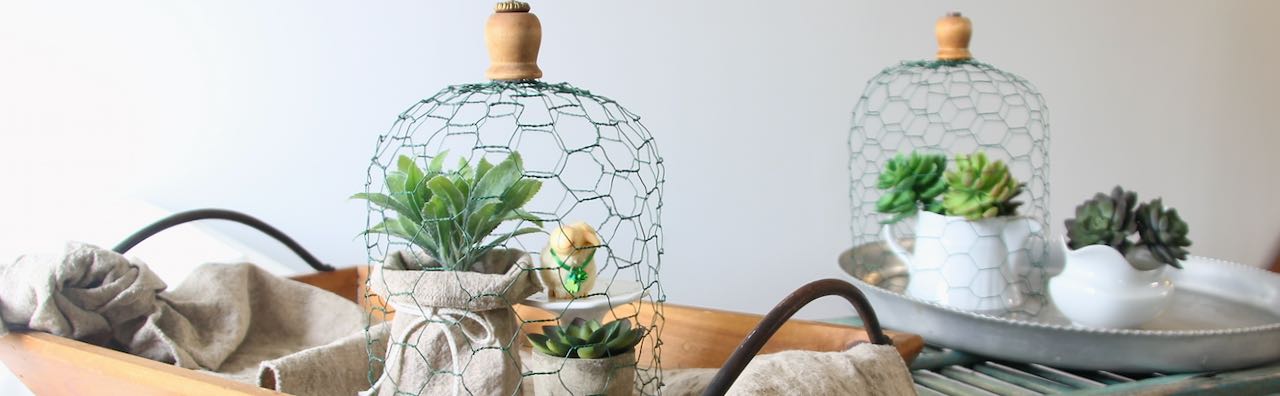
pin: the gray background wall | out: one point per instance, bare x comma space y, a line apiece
273, 107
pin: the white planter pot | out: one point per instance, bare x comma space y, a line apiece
1099, 288
970, 265
610, 376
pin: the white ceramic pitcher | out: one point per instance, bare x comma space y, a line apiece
970, 265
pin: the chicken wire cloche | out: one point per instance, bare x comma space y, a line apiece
949, 171
514, 215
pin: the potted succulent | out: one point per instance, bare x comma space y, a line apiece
586, 358
968, 235
452, 290
1109, 281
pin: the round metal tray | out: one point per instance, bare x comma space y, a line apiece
1224, 316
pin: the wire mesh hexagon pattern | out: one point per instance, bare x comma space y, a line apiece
596, 163
955, 107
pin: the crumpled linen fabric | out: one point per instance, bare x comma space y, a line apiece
235, 320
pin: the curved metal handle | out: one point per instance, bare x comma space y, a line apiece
221, 214
779, 315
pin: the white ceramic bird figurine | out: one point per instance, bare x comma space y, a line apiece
568, 263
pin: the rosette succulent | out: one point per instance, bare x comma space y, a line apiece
451, 214
1104, 220
980, 189
583, 339
911, 182
1110, 219
1162, 232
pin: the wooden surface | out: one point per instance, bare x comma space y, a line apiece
52, 365
345, 282
701, 337
954, 32
692, 337
513, 36
1275, 262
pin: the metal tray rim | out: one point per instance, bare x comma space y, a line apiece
1078, 329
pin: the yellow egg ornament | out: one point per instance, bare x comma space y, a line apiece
568, 264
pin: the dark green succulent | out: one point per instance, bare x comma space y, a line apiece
911, 182
980, 189
1162, 232
583, 339
1104, 220
449, 214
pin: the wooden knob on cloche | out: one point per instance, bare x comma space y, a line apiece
513, 36
953, 33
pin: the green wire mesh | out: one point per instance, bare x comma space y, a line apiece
597, 164
954, 107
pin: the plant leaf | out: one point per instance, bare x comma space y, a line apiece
437, 163
520, 214
595, 351
386, 202
464, 169
413, 179
499, 179
558, 348
396, 187
539, 343
520, 193
502, 239
437, 217
482, 221
482, 168
441, 186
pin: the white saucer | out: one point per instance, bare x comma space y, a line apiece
594, 306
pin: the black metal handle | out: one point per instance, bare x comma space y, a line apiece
779, 315
221, 214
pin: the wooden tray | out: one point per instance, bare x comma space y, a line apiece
692, 337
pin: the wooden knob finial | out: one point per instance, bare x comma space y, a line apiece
953, 33
513, 36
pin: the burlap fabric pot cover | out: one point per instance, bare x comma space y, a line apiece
454, 331
579, 377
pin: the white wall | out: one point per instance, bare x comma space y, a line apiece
273, 107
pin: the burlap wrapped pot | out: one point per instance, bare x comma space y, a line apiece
454, 332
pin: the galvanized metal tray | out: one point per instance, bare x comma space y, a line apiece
1224, 316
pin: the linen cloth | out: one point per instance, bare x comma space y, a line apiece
234, 320
865, 369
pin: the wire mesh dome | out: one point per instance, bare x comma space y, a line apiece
955, 105
594, 162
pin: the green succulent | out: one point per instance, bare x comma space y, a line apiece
449, 214
588, 339
1162, 232
912, 182
980, 189
1104, 220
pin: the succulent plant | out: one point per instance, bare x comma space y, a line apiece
588, 339
1104, 220
1162, 232
449, 214
912, 182
980, 189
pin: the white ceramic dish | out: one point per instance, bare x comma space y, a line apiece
603, 297
1223, 316
1098, 288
